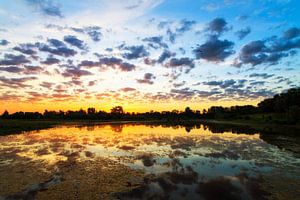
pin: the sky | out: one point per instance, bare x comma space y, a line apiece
146, 54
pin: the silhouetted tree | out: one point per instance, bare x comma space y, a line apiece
5, 115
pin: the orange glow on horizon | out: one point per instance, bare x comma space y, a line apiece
12, 107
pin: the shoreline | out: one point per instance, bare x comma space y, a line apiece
15, 126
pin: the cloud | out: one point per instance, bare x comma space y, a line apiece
221, 84
172, 36
116, 62
182, 94
155, 42
291, 33
176, 85
214, 50
213, 83
258, 83
269, 51
185, 25
242, 17
128, 89
147, 79
211, 7
56, 47
11, 69
56, 43
15, 82
74, 41
181, 62
3, 42
94, 32
76, 72
217, 26
262, 75
47, 7
11, 59
47, 85
112, 62
241, 34
51, 60
165, 55
134, 52
26, 49
32, 69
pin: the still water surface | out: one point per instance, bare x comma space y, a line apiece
194, 162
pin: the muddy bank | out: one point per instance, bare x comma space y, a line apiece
74, 178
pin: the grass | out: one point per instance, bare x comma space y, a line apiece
18, 126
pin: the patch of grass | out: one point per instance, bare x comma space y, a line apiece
18, 126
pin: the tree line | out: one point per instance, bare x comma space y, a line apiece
286, 103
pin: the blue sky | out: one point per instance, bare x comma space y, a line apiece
167, 53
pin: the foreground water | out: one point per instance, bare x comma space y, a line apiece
145, 161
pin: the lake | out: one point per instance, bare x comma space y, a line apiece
148, 161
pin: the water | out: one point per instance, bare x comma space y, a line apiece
178, 162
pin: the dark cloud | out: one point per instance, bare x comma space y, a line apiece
248, 94
163, 24
222, 84
56, 47
56, 43
112, 62
76, 72
116, 62
213, 83
269, 51
3, 42
11, 59
26, 48
134, 52
149, 61
93, 31
155, 42
185, 25
230, 83
32, 69
128, 89
15, 82
47, 85
47, 7
165, 55
217, 26
11, 69
183, 94
214, 50
88, 63
176, 85
147, 79
50, 61
262, 75
181, 62
74, 41
171, 35
291, 33
241, 34
258, 83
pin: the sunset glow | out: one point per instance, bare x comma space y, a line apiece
145, 54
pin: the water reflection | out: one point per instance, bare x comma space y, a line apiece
188, 161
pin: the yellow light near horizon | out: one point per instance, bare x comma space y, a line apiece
107, 105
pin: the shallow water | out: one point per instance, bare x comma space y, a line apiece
178, 162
